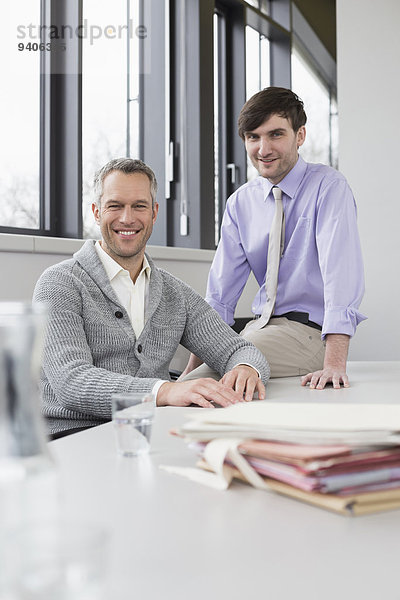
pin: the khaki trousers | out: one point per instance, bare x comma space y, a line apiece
290, 348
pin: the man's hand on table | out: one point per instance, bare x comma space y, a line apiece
198, 391
319, 379
334, 370
237, 385
245, 380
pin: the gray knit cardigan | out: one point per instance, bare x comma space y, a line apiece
91, 350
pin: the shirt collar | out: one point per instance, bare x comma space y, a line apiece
112, 268
146, 268
290, 182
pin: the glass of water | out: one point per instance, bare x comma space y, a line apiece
133, 416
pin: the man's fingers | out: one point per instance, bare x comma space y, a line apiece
339, 378
229, 390
224, 398
306, 378
260, 388
314, 379
250, 387
322, 382
200, 401
249, 393
235, 386
243, 385
229, 379
240, 384
199, 391
244, 380
319, 379
218, 392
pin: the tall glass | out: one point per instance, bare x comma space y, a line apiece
28, 487
41, 557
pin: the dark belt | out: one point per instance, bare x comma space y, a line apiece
299, 317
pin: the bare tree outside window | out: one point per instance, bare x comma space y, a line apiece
19, 118
20, 204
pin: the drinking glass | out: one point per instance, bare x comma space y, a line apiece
133, 416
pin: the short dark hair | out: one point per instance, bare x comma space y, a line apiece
129, 166
268, 102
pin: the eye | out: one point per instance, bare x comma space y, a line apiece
251, 136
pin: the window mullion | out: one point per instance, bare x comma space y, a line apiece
61, 117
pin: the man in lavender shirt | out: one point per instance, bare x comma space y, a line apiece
320, 282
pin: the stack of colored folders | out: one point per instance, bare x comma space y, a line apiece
342, 457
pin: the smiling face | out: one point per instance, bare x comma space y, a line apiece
126, 217
273, 147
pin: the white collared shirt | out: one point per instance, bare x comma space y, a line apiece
133, 296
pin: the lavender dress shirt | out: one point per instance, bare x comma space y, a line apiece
321, 269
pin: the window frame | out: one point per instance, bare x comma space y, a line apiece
60, 173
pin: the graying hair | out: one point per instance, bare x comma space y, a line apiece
129, 166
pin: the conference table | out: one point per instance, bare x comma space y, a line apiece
172, 538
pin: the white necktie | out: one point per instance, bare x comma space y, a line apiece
275, 249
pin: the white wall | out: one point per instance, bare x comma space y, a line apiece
368, 48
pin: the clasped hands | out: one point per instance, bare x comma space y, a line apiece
237, 385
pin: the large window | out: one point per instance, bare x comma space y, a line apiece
110, 91
20, 115
321, 140
258, 74
257, 62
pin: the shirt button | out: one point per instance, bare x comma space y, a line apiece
140, 348
118, 314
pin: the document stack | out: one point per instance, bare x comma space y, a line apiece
341, 457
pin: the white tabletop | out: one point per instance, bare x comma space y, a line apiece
173, 539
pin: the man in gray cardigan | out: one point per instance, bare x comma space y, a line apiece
116, 320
